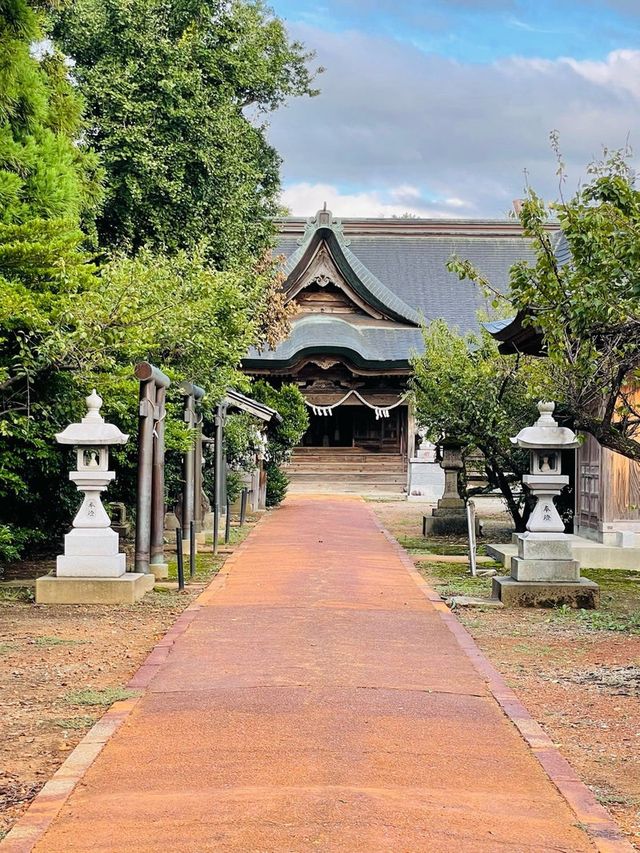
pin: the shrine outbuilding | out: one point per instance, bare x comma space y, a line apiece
362, 288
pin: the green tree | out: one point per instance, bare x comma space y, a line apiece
49, 186
585, 303
281, 437
465, 390
69, 321
177, 92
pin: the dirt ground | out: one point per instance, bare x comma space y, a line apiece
62, 665
578, 673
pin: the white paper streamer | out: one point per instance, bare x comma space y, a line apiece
380, 411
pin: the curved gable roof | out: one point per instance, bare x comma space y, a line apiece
409, 259
368, 287
365, 346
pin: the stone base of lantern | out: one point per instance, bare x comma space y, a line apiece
91, 553
583, 594
544, 557
545, 575
447, 521
126, 589
160, 571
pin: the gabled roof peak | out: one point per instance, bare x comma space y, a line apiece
323, 219
366, 285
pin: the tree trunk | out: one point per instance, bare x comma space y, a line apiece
519, 517
608, 436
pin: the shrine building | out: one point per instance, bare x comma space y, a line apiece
362, 288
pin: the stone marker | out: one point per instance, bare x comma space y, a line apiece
91, 570
544, 574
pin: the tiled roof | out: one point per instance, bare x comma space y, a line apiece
414, 269
518, 335
364, 345
366, 282
401, 265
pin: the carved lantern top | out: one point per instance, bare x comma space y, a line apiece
92, 431
545, 434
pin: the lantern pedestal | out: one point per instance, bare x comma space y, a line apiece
582, 594
126, 589
449, 518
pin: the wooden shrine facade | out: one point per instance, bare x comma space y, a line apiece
362, 289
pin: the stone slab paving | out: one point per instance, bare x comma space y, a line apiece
318, 698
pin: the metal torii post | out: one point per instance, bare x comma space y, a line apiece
150, 493
192, 458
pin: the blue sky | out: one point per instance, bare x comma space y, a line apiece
481, 31
439, 107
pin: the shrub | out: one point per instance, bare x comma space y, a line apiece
277, 484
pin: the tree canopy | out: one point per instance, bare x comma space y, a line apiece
176, 94
465, 390
282, 437
177, 273
586, 306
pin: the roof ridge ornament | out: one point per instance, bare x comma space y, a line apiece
324, 218
94, 404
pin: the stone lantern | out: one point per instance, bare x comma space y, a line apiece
91, 570
544, 572
449, 517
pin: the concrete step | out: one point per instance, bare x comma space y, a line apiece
363, 458
367, 451
390, 451
378, 489
589, 554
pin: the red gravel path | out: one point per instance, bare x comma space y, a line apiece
316, 701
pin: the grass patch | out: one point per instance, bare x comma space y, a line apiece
99, 697
598, 620
7, 648
207, 566
608, 797
619, 604
446, 547
75, 723
450, 579
55, 641
17, 593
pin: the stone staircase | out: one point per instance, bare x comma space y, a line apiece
350, 470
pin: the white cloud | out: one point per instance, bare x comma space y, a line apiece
304, 199
621, 70
403, 127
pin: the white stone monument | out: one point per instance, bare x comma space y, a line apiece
544, 572
91, 570
426, 477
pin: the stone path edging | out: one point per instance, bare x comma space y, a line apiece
40, 814
602, 830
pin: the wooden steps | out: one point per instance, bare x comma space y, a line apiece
351, 470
